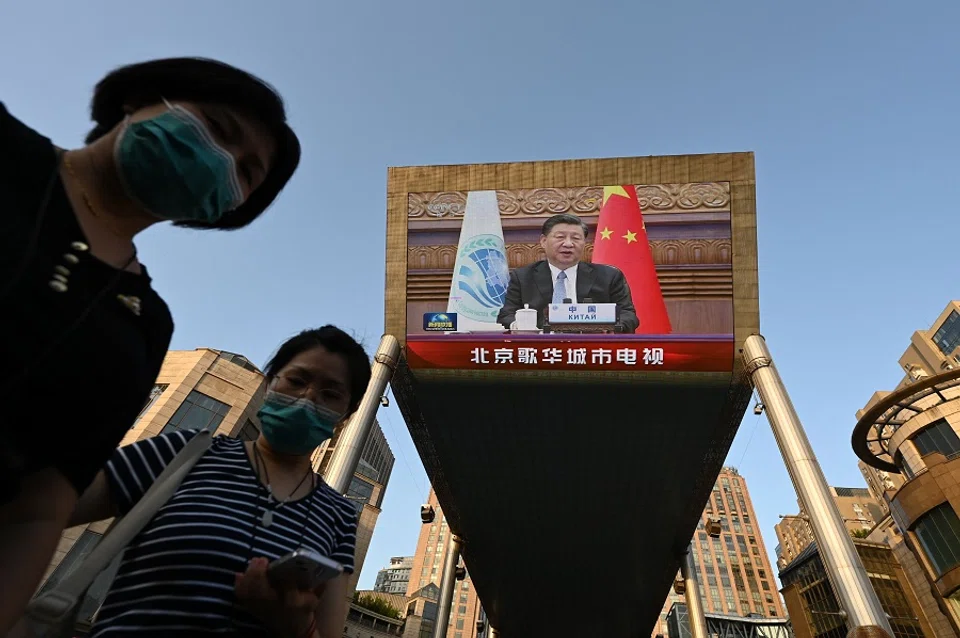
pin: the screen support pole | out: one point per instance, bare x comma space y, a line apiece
845, 571
691, 594
447, 588
346, 455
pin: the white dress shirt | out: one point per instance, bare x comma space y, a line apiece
571, 281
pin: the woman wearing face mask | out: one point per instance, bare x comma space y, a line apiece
82, 332
199, 567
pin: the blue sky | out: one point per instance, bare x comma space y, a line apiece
851, 109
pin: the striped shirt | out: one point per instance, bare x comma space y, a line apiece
177, 576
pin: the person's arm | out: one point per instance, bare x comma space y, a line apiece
332, 604
30, 528
126, 477
31, 524
332, 608
620, 295
96, 504
512, 302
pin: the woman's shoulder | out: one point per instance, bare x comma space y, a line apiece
25, 155
229, 448
167, 445
333, 499
227, 443
156, 313
13, 128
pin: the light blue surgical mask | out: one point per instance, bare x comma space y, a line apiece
171, 165
295, 426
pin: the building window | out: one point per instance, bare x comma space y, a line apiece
937, 437
360, 493
80, 550
360, 489
947, 337
197, 412
939, 533
155, 393
249, 432
901, 464
881, 568
239, 360
95, 595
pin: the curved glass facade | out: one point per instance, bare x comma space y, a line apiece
939, 534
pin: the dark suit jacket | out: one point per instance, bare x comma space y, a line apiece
533, 285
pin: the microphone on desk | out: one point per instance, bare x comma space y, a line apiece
567, 300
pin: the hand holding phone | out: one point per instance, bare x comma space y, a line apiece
302, 569
283, 608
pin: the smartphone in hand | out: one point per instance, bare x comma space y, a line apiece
302, 569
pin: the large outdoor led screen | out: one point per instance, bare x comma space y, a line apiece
612, 277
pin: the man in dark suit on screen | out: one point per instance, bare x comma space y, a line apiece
563, 276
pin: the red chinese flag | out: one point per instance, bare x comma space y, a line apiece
621, 241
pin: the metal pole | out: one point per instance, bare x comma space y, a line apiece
489, 631
345, 457
691, 593
447, 588
837, 551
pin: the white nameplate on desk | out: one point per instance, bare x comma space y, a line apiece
582, 313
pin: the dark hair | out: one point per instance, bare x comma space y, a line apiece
202, 80
336, 341
563, 218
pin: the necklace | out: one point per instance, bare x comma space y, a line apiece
267, 519
88, 202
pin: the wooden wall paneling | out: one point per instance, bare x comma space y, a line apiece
744, 233
396, 259
695, 168
681, 199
